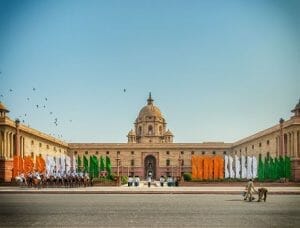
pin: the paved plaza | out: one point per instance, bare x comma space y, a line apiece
147, 210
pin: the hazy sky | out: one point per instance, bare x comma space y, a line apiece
218, 70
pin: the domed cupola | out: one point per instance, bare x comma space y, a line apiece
296, 110
131, 136
3, 110
150, 125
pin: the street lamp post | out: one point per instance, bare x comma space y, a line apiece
118, 169
180, 167
281, 143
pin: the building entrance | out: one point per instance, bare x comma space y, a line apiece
150, 167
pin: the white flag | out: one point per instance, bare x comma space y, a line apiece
243, 164
254, 165
226, 166
237, 167
68, 164
249, 167
231, 171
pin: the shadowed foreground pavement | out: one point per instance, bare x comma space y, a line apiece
144, 210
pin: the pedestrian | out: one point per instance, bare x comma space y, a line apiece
137, 181
249, 190
162, 180
130, 180
149, 181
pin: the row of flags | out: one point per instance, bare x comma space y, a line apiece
274, 168
244, 167
203, 167
27, 165
207, 167
93, 165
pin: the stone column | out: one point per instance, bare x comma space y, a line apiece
11, 145
17, 137
4, 145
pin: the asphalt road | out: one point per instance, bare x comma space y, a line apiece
147, 210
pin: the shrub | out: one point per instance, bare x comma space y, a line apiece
124, 179
187, 176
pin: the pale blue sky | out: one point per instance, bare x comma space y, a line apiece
218, 70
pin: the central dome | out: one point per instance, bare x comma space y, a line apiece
150, 110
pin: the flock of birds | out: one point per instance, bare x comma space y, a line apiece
42, 105
39, 106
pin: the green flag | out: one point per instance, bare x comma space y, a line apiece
85, 164
261, 176
272, 169
266, 169
91, 168
281, 167
108, 166
78, 163
287, 167
276, 164
102, 164
96, 166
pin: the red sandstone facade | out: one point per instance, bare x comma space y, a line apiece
150, 146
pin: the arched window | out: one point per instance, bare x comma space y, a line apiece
160, 130
140, 130
150, 130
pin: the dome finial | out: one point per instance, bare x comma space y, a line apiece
150, 100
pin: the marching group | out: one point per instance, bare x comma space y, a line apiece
57, 179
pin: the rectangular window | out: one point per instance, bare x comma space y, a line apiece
168, 162
132, 162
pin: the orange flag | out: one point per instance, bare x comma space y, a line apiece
194, 167
200, 167
210, 168
40, 164
28, 165
221, 168
205, 167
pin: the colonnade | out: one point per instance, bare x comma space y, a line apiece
8, 145
290, 144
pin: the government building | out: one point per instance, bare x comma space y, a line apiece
150, 145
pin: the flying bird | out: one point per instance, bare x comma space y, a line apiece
46, 98
51, 113
10, 90
44, 106
37, 106
1, 95
28, 98
25, 114
124, 90
33, 89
